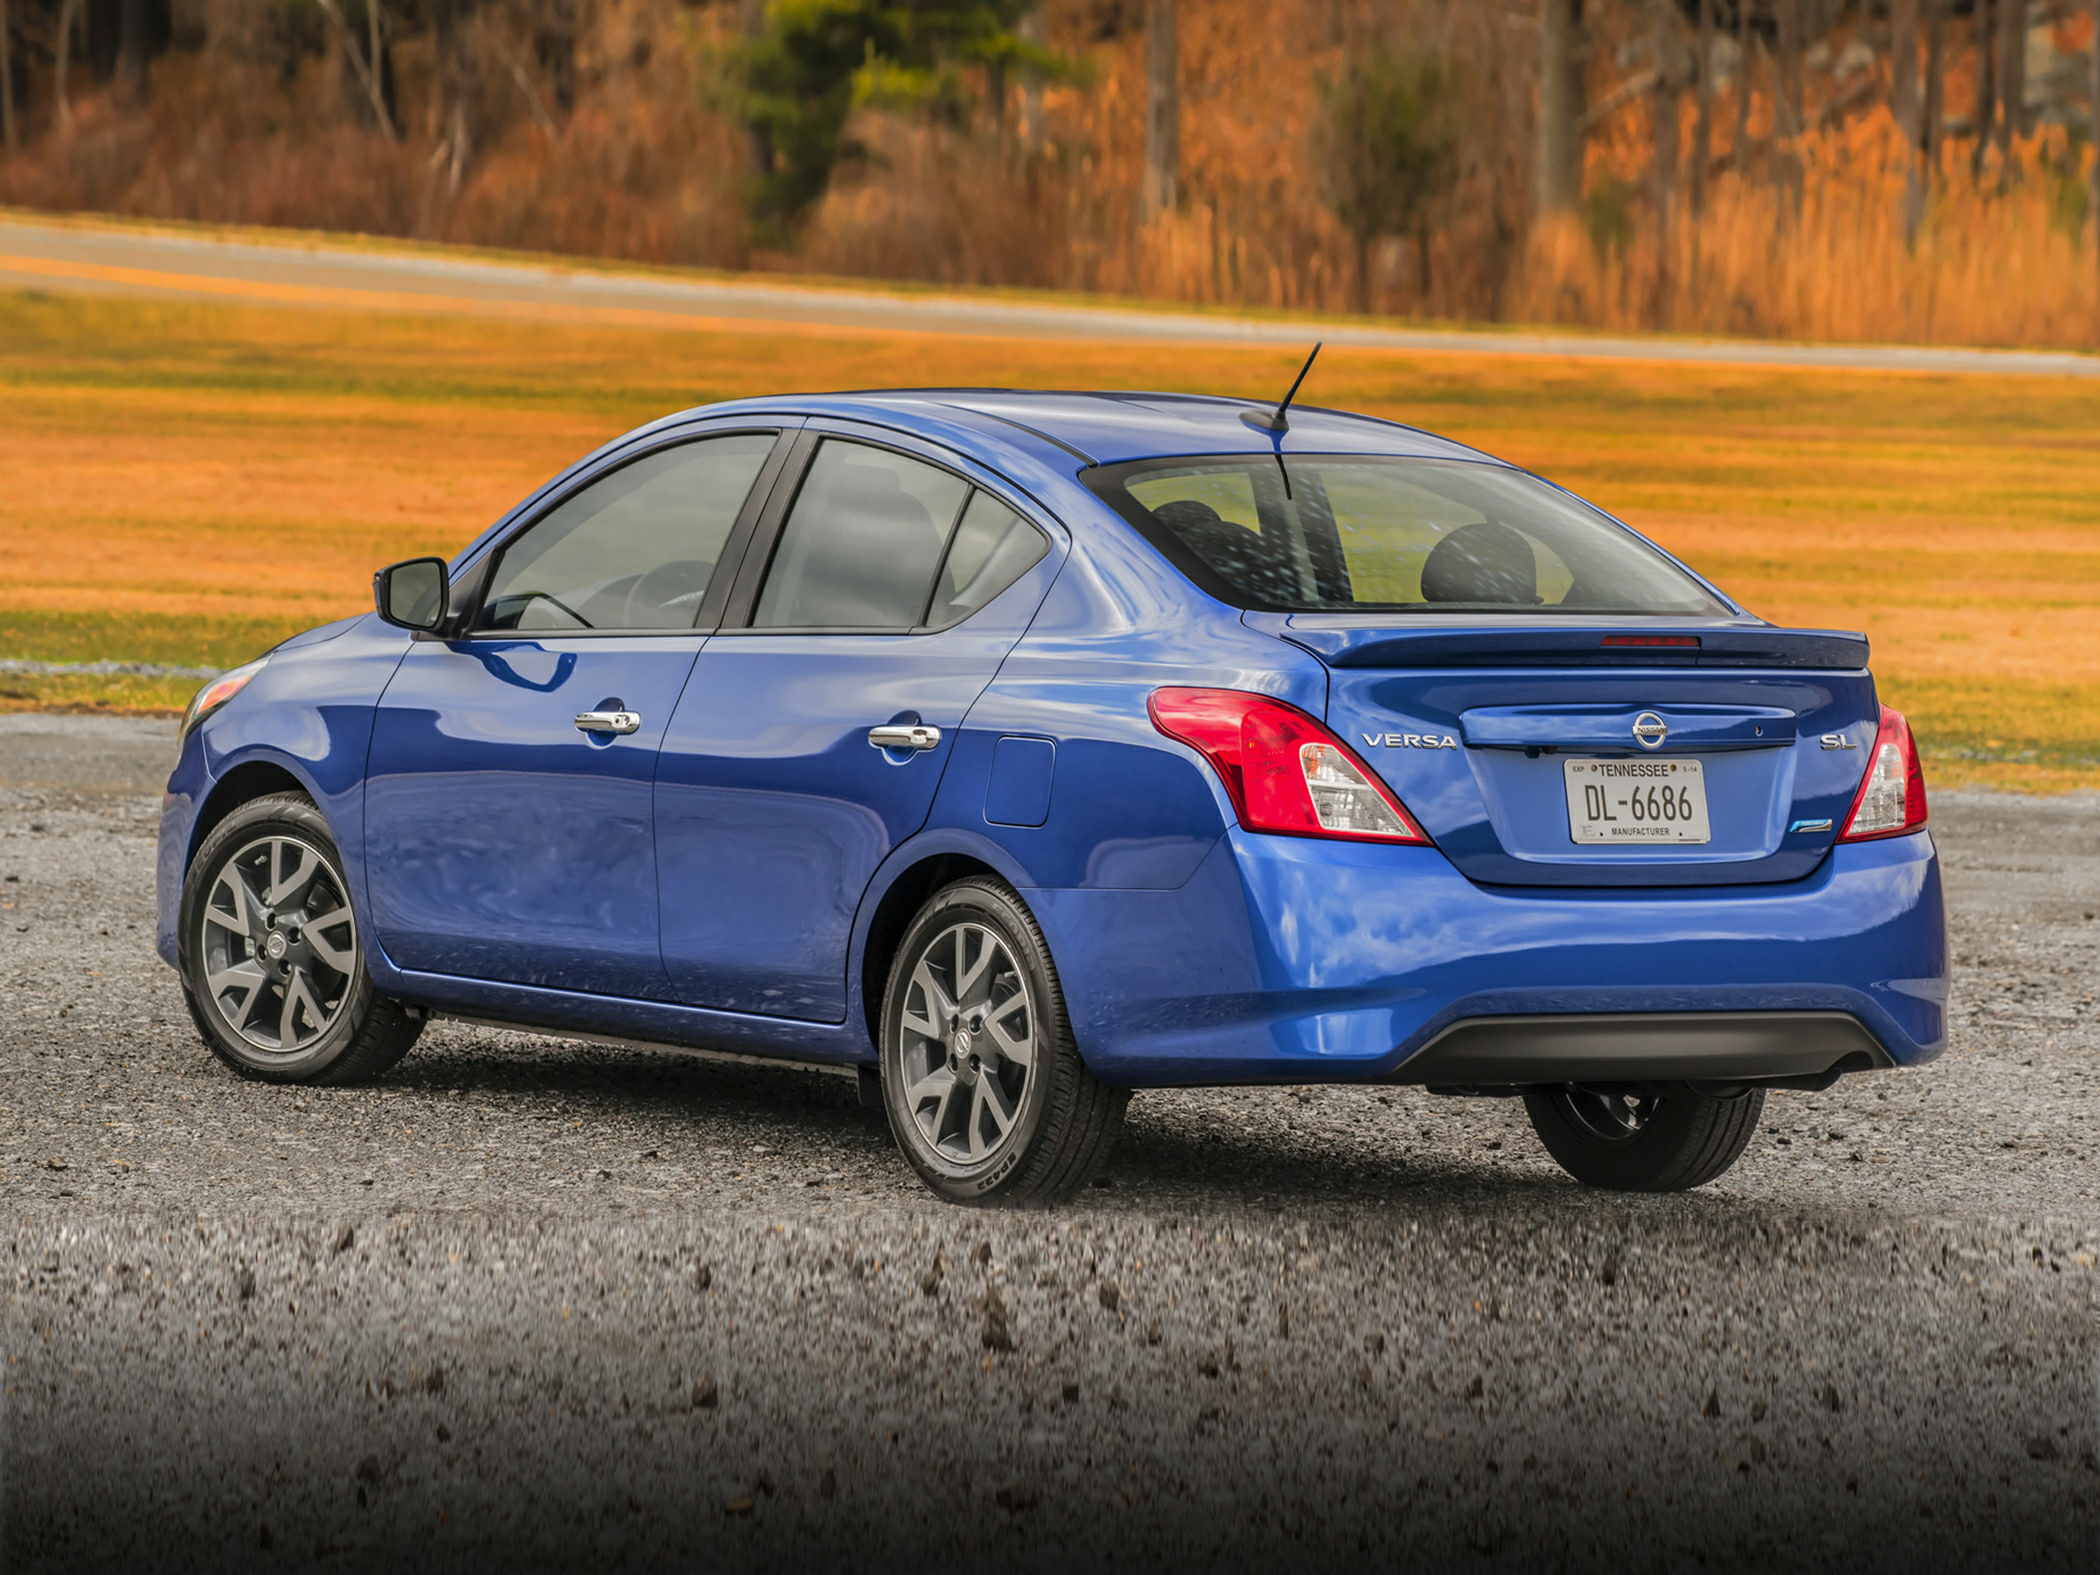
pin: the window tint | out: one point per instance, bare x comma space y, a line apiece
993, 547
861, 547
633, 550
1343, 533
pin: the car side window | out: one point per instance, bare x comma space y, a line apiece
633, 550
863, 543
993, 547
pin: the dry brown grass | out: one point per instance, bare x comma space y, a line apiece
187, 483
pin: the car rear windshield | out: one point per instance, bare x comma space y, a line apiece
1311, 533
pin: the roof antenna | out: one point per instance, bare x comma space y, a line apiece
1279, 422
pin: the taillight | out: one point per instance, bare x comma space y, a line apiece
1891, 800
1285, 772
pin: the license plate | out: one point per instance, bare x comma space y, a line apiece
1636, 800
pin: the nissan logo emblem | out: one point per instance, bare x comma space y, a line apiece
1649, 730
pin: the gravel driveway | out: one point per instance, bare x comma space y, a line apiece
565, 1306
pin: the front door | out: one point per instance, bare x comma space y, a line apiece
896, 588
509, 825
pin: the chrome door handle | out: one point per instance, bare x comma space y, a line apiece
607, 721
897, 736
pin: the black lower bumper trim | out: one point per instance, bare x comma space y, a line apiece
1630, 1047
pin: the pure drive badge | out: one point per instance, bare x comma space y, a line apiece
1407, 741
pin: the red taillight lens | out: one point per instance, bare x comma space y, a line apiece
1891, 799
1285, 772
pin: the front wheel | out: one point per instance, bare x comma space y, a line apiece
270, 956
1634, 1142
983, 1084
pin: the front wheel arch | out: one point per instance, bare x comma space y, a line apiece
246, 782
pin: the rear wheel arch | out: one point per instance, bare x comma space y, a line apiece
250, 780
899, 905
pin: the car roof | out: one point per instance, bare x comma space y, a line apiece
1107, 428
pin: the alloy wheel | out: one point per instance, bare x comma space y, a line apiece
1610, 1115
279, 944
969, 1044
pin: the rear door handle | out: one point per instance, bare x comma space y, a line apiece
916, 736
607, 721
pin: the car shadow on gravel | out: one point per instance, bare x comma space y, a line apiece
1201, 1151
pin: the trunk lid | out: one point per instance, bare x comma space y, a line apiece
1473, 722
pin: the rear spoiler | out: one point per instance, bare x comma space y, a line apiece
1341, 644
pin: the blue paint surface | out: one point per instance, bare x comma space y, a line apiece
1018, 793
714, 878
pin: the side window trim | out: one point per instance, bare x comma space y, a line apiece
765, 539
734, 546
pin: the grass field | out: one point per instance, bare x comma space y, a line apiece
187, 484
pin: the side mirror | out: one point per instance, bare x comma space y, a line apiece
414, 594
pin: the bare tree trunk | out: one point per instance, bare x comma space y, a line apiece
1664, 113
1702, 123
1935, 86
133, 48
1903, 67
995, 96
1985, 27
1560, 106
66, 11
455, 77
1031, 29
1162, 110
1744, 38
758, 141
1786, 103
2092, 87
2012, 71
1702, 135
554, 41
7, 83
1903, 101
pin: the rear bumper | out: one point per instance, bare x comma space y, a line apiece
1296, 960
1600, 1047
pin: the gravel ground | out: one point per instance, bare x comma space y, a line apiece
554, 1304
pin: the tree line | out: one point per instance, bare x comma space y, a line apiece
1433, 139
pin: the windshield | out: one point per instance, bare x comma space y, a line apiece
1350, 533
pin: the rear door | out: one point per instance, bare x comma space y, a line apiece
509, 822
886, 595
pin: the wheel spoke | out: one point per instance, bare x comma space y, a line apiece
941, 1008
974, 1131
966, 982
297, 994
227, 921
939, 1081
1017, 1048
246, 918
993, 1099
289, 885
339, 955
245, 976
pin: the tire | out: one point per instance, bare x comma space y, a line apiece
270, 957
1632, 1144
947, 1092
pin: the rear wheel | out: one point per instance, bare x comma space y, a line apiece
1635, 1142
270, 956
983, 1084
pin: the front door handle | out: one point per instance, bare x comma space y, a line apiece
898, 736
607, 721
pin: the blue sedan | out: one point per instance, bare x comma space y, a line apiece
1019, 750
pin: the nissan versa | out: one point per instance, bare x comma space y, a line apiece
1022, 749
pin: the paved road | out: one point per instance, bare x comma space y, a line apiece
138, 260
574, 1307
